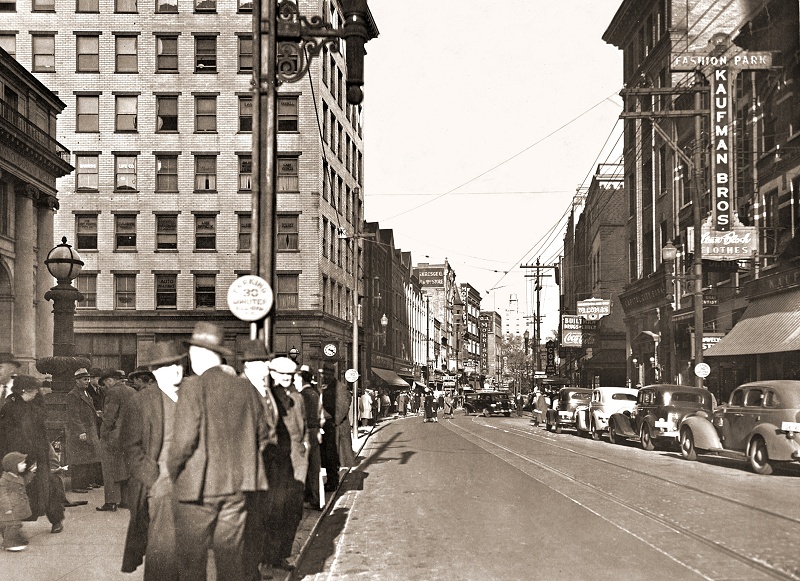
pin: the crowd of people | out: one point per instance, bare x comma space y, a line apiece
208, 460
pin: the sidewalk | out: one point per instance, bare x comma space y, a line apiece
90, 547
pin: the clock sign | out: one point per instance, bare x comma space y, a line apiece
329, 350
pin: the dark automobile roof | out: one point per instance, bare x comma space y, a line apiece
786, 387
662, 387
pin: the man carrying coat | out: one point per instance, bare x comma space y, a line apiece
215, 461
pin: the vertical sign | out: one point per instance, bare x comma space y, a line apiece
720, 111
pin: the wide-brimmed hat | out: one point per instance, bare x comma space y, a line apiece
209, 336
161, 354
81, 373
95, 372
6, 357
255, 350
141, 371
116, 373
25, 383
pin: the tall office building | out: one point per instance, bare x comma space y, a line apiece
159, 121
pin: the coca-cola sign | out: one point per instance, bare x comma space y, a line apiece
571, 331
739, 243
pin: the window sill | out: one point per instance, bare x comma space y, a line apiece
166, 192
126, 251
286, 251
205, 132
86, 249
86, 191
167, 250
205, 72
126, 191
245, 191
205, 191
166, 72
205, 251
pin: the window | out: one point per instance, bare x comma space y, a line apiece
166, 291
6, 201
124, 291
87, 285
287, 114
205, 114
245, 173
166, 6
324, 122
326, 181
167, 54
245, 5
288, 177
43, 47
286, 291
43, 6
127, 106
167, 232
8, 42
127, 60
245, 232
205, 232
125, 235
125, 6
246, 54
87, 6
86, 173
205, 54
166, 173
166, 114
87, 49
205, 291
125, 173
325, 237
8, 5
754, 398
205, 5
245, 114
288, 232
205, 173
86, 231
87, 107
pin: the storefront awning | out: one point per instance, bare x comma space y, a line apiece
390, 377
769, 325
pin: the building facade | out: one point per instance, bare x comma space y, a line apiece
470, 331
159, 121
31, 162
491, 337
438, 283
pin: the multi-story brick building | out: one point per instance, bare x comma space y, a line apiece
491, 333
438, 282
470, 331
159, 119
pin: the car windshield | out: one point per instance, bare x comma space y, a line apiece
624, 396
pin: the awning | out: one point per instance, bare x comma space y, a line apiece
390, 377
769, 325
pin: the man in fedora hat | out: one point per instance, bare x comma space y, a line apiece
337, 444
82, 448
8, 367
215, 461
115, 474
141, 377
147, 431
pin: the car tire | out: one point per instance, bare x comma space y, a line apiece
593, 431
646, 438
612, 433
688, 450
759, 459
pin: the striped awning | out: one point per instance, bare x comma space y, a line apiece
769, 325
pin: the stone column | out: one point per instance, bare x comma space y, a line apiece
25, 226
44, 280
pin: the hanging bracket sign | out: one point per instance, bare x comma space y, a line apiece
594, 309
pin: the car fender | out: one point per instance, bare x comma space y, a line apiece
622, 424
779, 447
600, 424
581, 418
703, 432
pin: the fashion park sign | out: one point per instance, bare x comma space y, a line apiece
721, 70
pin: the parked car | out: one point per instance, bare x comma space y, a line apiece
658, 413
760, 422
593, 418
563, 412
488, 403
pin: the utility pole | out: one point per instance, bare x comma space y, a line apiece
540, 269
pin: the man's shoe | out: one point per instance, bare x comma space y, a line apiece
75, 503
109, 506
16, 548
80, 490
57, 527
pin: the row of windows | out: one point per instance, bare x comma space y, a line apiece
167, 172
127, 6
336, 299
126, 52
126, 114
166, 291
344, 200
335, 83
338, 250
340, 143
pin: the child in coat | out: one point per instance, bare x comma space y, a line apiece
14, 505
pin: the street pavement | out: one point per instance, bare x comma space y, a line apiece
91, 545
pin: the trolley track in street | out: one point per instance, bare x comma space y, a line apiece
732, 553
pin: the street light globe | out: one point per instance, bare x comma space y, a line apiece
294, 353
63, 262
668, 252
384, 321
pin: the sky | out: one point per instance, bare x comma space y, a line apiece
481, 122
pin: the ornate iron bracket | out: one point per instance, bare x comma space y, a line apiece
299, 39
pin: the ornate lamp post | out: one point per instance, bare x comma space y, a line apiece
64, 263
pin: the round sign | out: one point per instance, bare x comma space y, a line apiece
329, 350
702, 370
250, 298
351, 375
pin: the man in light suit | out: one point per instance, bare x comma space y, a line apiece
215, 461
147, 432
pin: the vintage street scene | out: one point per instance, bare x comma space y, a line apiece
390, 290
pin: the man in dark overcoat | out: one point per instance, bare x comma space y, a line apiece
337, 442
83, 443
215, 461
115, 393
22, 429
147, 431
